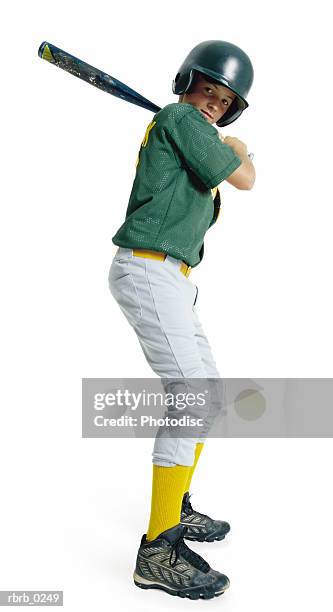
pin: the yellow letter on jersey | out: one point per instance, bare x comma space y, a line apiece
145, 140
148, 130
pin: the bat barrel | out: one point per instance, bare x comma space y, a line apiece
93, 76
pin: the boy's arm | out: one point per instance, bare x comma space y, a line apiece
244, 176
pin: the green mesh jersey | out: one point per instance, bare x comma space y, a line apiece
171, 204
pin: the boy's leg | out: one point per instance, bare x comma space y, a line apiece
212, 372
198, 450
158, 301
167, 496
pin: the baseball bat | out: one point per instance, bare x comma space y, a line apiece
95, 77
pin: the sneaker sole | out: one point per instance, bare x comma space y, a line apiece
199, 592
204, 538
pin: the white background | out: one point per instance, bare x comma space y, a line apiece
74, 509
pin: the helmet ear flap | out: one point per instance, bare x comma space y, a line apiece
191, 80
234, 111
175, 81
183, 82
230, 113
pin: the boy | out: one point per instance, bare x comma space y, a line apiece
173, 202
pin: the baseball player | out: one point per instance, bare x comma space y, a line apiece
174, 200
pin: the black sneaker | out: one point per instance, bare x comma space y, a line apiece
167, 563
200, 527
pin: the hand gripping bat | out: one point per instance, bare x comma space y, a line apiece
95, 77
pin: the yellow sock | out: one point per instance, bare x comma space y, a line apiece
198, 449
167, 496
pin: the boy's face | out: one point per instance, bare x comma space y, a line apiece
212, 100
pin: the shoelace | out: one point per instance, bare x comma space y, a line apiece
180, 548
